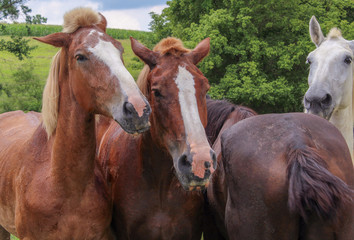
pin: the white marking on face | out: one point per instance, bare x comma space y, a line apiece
94, 31
189, 107
110, 55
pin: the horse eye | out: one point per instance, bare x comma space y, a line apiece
348, 60
80, 58
157, 93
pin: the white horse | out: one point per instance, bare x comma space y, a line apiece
330, 93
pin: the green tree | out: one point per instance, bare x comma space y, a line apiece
24, 92
11, 9
258, 47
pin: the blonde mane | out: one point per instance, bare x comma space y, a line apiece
334, 33
80, 17
168, 45
50, 100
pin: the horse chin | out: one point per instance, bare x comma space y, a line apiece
132, 128
326, 114
193, 185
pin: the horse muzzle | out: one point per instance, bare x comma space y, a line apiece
135, 119
194, 168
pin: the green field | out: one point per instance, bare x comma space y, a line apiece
42, 55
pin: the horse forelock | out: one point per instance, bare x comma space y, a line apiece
168, 45
172, 46
80, 17
50, 100
334, 33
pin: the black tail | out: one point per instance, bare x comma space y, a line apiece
312, 188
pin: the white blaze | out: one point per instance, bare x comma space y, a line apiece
189, 108
110, 55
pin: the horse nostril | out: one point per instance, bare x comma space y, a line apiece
327, 100
128, 108
183, 163
213, 157
307, 103
207, 164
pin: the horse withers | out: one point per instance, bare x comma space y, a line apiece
50, 186
150, 173
330, 93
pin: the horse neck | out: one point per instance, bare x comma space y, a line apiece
156, 160
343, 119
74, 146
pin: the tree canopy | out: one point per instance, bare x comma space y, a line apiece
258, 48
11, 9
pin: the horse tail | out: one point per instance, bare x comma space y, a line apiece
312, 188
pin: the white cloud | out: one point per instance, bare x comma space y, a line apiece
55, 10
135, 19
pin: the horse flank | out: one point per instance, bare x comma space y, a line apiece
168, 45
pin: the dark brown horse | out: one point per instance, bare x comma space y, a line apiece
50, 187
282, 176
150, 172
221, 116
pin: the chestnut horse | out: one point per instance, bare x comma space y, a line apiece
50, 187
150, 172
282, 176
330, 93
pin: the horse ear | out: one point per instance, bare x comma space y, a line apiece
316, 32
149, 57
56, 39
351, 45
103, 23
200, 51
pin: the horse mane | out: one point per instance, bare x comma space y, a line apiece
168, 45
80, 17
50, 100
334, 33
218, 111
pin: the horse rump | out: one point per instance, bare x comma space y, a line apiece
312, 187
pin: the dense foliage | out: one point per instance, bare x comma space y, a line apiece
24, 92
258, 48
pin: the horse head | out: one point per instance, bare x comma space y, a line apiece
176, 90
91, 64
331, 72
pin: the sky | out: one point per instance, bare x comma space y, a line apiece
123, 14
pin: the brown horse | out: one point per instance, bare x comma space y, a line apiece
282, 176
50, 187
221, 116
149, 172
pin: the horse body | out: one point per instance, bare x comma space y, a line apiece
50, 185
287, 179
330, 93
149, 202
221, 116
148, 172
255, 192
